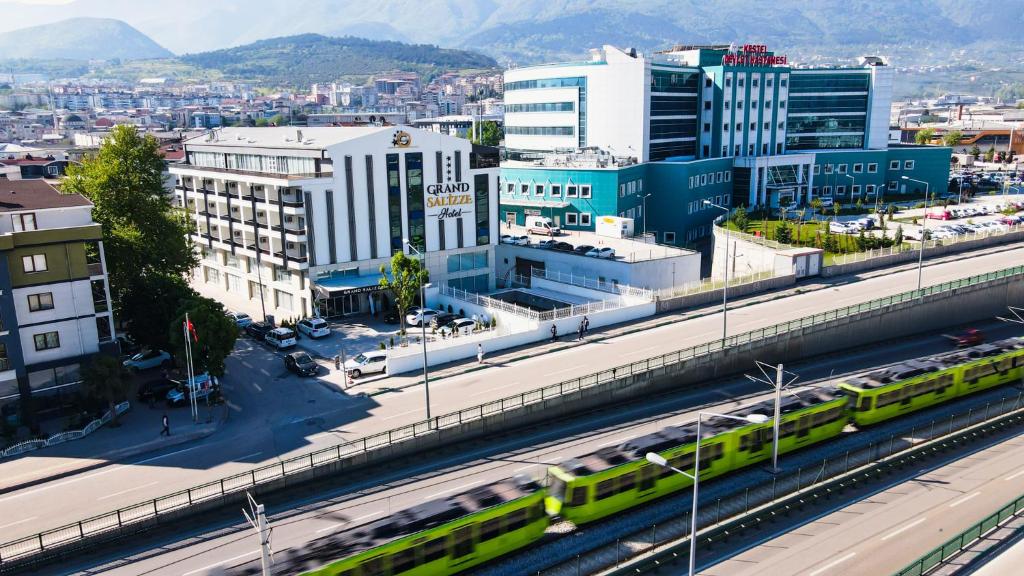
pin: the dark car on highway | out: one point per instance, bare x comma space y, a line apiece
300, 363
258, 330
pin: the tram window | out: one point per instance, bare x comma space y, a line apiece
490, 529
403, 561
627, 482
605, 489
434, 550
538, 510
865, 404
579, 496
516, 519
647, 474
373, 567
462, 542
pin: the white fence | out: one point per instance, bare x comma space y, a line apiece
593, 284
62, 437
710, 284
841, 259
488, 302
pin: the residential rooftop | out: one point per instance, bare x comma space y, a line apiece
20, 195
292, 137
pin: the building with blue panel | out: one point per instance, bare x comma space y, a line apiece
779, 135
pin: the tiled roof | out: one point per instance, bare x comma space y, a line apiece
18, 195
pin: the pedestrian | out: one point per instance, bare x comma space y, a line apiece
479, 353
586, 324
579, 331
554, 333
166, 430
337, 362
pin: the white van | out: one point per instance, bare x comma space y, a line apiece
542, 225
280, 338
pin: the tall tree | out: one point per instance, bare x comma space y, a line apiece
213, 337
488, 133
403, 280
142, 233
924, 136
104, 378
952, 138
154, 303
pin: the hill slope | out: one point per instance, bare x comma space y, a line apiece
81, 39
309, 58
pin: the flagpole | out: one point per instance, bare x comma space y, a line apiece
190, 372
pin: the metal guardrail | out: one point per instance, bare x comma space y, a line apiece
962, 540
62, 437
238, 483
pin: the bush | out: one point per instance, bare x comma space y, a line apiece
494, 322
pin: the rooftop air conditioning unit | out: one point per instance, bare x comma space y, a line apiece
263, 239
289, 219
238, 232
290, 245
261, 214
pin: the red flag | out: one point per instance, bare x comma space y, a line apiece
192, 329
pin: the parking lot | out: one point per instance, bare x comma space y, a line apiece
982, 215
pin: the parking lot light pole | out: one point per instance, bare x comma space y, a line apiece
924, 230
423, 325
725, 287
659, 460
644, 200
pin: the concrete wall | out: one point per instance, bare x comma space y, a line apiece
746, 257
702, 298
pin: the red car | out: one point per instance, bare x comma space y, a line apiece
969, 337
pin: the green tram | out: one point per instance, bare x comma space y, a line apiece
442, 536
895, 390
615, 478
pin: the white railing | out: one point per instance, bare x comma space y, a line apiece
711, 284
488, 302
61, 437
594, 284
840, 259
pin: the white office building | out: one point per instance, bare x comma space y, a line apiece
295, 222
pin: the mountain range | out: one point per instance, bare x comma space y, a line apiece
81, 39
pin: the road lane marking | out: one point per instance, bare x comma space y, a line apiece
457, 488
115, 494
418, 410
615, 442
569, 369
492, 389
830, 565
249, 455
964, 499
902, 530
1014, 475
257, 387
164, 456
340, 524
198, 570
2, 526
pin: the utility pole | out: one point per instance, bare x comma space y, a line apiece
778, 384
258, 520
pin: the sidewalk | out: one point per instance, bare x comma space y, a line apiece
379, 385
138, 433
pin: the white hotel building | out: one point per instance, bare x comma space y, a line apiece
296, 222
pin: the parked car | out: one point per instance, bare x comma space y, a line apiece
562, 247
841, 228
442, 319
313, 327
147, 360
280, 338
826, 202
866, 223
241, 318
583, 249
605, 252
367, 363
127, 346
517, 240
301, 363
459, 326
258, 330
204, 387
153, 390
391, 316
542, 225
546, 244
420, 316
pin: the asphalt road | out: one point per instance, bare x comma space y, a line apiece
276, 414
884, 533
207, 552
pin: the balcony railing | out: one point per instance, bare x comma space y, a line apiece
292, 258
95, 268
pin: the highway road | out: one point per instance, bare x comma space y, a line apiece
883, 533
206, 552
273, 417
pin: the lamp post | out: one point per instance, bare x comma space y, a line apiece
924, 230
659, 460
725, 287
423, 326
643, 199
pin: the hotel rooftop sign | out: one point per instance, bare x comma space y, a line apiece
753, 55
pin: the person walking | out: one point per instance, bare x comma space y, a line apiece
579, 331
166, 430
554, 333
479, 353
586, 324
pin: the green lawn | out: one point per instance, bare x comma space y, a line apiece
808, 233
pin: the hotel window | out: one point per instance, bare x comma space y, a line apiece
585, 191
707, 126
908, 165
767, 104
841, 169
814, 191
740, 82
754, 83
872, 168
41, 301
750, 150
828, 168
570, 192
826, 191
739, 126
778, 148
764, 148
855, 189
235, 284
725, 150
782, 125
840, 190
35, 263
703, 179
727, 104
718, 177
753, 126
707, 82
753, 103
24, 222
892, 185
524, 189
395, 202
894, 165
817, 169
737, 153
212, 275
556, 190
511, 188
858, 168
47, 341
570, 219
707, 105
725, 127
769, 82
231, 261
538, 190
670, 237
622, 190
728, 176
728, 81
767, 125
283, 299
415, 209
585, 219
691, 181
739, 104
782, 82
869, 190
782, 104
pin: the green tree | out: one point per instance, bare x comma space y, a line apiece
816, 205
924, 136
952, 138
403, 280
278, 120
214, 338
830, 244
104, 378
261, 122
741, 219
142, 233
975, 151
488, 133
783, 233
898, 238
154, 303
990, 154
835, 211
861, 241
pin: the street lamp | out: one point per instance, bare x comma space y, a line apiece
725, 288
423, 326
644, 200
924, 230
659, 460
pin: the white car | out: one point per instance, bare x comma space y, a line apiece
461, 326
420, 316
313, 327
147, 360
203, 385
367, 363
605, 252
841, 228
516, 240
280, 338
241, 318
